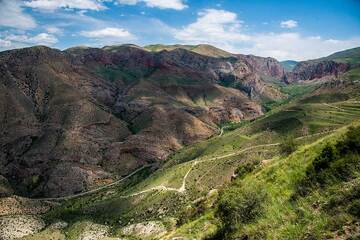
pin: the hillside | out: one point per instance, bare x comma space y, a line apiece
350, 56
125, 143
345, 63
288, 65
202, 49
186, 197
99, 114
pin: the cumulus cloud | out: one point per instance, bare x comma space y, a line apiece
223, 29
12, 15
162, 4
51, 5
288, 24
54, 30
218, 27
295, 46
10, 41
108, 32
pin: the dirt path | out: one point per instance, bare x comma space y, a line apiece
331, 106
221, 132
182, 188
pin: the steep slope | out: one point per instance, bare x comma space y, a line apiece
75, 119
52, 134
182, 194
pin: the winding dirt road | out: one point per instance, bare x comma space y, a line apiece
182, 188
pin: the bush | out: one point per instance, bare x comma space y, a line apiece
354, 208
288, 145
239, 205
336, 162
246, 168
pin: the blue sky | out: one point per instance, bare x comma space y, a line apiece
296, 30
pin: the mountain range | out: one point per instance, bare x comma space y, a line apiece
96, 126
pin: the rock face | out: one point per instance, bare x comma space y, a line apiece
310, 70
70, 120
264, 66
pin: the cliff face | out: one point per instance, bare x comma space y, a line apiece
70, 120
310, 70
264, 66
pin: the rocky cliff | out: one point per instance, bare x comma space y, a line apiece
310, 70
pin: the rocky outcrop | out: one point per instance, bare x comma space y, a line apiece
311, 70
269, 67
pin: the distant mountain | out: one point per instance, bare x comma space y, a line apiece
288, 65
203, 49
345, 64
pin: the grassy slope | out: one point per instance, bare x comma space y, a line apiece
351, 56
311, 115
202, 49
284, 218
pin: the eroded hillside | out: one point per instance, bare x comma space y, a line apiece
75, 119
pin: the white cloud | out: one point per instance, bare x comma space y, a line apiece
295, 46
223, 29
12, 15
288, 24
10, 41
51, 5
39, 39
162, 4
109, 32
4, 43
218, 27
54, 30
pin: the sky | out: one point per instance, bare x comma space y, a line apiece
296, 30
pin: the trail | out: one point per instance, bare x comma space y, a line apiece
221, 132
182, 188
328, 105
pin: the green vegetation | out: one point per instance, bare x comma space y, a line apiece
288, 145
290, 174
353, 74
351, 56
118, 74
292, 91
288, 65
336, 162
318, 214
240, 205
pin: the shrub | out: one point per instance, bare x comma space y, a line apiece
239, 205
246, 168
354, 208
288, 145
336, 162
